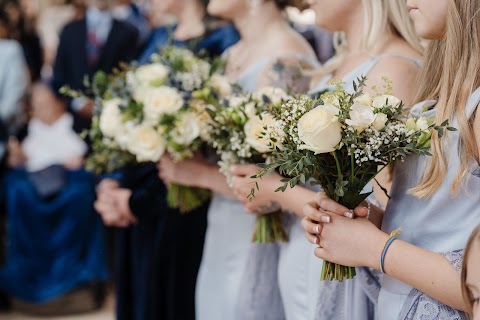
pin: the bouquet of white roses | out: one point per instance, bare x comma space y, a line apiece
144, 111
237, 123
342, 142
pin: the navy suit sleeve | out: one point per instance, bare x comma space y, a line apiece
60, 67
132, 48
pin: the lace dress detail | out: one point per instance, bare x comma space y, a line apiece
419, 306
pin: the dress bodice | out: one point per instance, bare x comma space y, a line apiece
214, 42
362, 70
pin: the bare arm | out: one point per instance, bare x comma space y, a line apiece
357, 242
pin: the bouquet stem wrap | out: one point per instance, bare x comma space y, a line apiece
270, 228
186, 199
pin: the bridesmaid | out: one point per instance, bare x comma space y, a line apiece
389, 47
156, 264
434, 200
228, 240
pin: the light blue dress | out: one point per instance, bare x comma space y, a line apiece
351, 299
440, 224
225, 289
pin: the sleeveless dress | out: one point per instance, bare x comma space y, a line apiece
352, 299
440, 224
223, 278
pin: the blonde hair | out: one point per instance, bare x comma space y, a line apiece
451, 74
467, 296
379, 16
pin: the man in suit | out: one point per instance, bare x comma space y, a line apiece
97, 42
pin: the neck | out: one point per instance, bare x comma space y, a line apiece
190, 20
250, 23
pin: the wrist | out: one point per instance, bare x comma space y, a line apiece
381, 240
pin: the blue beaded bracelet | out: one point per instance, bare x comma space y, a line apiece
384, 252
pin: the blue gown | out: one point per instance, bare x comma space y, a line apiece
157, 260
54, 245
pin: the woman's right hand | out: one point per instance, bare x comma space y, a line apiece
184, 172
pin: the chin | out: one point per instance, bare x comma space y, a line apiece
223, 9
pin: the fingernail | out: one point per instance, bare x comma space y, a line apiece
325, 218
348, 214
315, 240
316, 229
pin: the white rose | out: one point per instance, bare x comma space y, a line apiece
254, 128
422, 124
159, 101
275, 95
249, 107
186, 129
381, 101
110, 121
380, 121
221, 85
365, 99
360, 117
148, 75
145, 143
319, 129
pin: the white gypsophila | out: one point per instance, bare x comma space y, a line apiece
361, 117
110, 121
319, 129
221, 85
259, 131
380, 121
186, 129
365, 99
380, 102
159, 101
148, 75
145, 143
193, 79
274, 94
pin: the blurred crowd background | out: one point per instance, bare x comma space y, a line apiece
42, 49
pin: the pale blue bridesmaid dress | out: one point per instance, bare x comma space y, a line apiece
222, 290
440, 224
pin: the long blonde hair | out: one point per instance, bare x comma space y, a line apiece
451, 73
467, 296
379, 16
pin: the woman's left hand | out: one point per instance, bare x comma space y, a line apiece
351, 242
265, 199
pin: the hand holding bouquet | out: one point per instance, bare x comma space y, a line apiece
239, 127
342, 142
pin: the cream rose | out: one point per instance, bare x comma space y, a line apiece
319, 129
254, 128
145, 143
148, 75
361, 117
110, 121
186, 129
221, 85
365, 99
422, 124
381, 101
159, 101
380, 121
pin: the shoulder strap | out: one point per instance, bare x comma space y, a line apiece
472, 103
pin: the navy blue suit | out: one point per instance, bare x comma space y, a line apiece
71, 64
